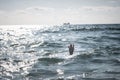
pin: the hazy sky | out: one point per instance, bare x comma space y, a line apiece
47, 12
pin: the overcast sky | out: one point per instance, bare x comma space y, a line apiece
47, 12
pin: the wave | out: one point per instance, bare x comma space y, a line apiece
111, 72
86, 29
109, 61
97, 27
93, 29
110, 37
51, 44
50, 60
85, 55
113, 28
89, 54
99, 79
36, 72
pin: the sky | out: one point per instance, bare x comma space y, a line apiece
48, 12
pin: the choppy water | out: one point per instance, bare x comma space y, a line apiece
41, 53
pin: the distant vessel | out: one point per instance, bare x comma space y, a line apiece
66, 24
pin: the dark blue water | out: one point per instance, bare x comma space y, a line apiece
41, 52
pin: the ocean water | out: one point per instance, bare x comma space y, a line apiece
41, 52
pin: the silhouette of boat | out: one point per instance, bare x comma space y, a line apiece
66, 24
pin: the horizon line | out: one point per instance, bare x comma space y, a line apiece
57, 24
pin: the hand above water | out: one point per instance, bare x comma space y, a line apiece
71, 49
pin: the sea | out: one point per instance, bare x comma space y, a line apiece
33, 52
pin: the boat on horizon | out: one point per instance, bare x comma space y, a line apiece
66, 24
